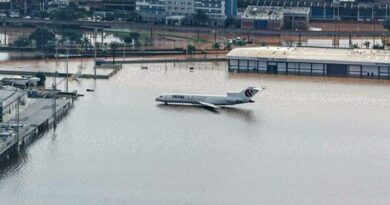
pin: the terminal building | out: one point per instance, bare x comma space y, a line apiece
9, 99
311, 61
275, 17
355, 10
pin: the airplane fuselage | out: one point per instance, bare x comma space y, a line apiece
195, 99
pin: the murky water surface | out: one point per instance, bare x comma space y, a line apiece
305, 141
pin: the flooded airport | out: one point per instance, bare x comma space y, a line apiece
304, 141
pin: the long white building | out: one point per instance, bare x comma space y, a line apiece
311, 61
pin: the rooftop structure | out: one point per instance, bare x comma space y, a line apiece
9, 97
333, 9
273, 12
275, 17
314, 54
312, 60
20, 81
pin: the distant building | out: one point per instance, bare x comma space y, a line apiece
275, 17
57, 4
361, 63
124, 5
158, 10
356, 10
20, 81
9, 97
151, 10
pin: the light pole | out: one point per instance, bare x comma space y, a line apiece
54, 108
67, 66
17, 124
95, 53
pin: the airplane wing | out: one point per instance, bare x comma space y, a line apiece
209, 105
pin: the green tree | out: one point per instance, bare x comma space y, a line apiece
67, 14
22, 42
229, 46
41, 14
386, 24
113, 47
367, 44
85, 43
42, 78
42, 37
229, 22
134, 16
200, 17
129, 38
72, 35
241, 43
216, 46
191, 49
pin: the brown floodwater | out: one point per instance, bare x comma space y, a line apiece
305, 141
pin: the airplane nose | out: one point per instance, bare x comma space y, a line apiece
158, 99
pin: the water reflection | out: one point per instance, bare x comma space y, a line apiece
240, 113
232, 112
14, 164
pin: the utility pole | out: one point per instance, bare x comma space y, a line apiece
25, 7
67, 67
95, 52
151, 34
17, 124
215, 35
57, 52
54, 107
124, 51
5, 34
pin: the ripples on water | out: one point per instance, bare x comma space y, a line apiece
305, 141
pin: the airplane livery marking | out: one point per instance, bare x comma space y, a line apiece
249, 93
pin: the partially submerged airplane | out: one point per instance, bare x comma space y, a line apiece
211, 101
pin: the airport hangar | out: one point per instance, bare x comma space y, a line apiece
311, 61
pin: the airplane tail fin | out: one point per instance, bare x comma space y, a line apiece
248, 93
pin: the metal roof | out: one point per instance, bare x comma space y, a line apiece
314, 55
272, 12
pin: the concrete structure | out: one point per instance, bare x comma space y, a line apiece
20, 81
311, 61
179, 7
333, 10
157, 10
34, 120
10, 99
275, 17
151, 10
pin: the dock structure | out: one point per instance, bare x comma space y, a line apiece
61, 75
32, 121
363, 63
